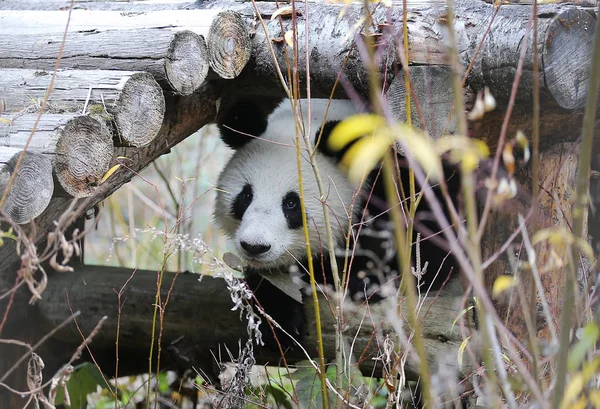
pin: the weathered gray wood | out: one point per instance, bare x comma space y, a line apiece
15, 133
140, 110
32, 187
229, 44
184, 116
187, 62
133, 100
199, 316
79, 163
83, 154
97, 40
139, 41
330, 43
137, 5
565, 37
432, 87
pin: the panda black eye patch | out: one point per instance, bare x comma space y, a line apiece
242, 201
291, 210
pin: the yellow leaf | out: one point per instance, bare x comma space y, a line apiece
109, 173
461, 350
503, 283
573, 390
289, 38
283, 11
594, 396
353, 128
364, 155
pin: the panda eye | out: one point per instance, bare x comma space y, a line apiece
291, 204
290, 201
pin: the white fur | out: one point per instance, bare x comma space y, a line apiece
269, 164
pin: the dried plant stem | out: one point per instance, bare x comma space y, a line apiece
159, 280
311, 272
408, 280
535, 177
581, 201
472, 242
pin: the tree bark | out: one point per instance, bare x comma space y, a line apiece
198, 319
32, 39
109, 40
132, 99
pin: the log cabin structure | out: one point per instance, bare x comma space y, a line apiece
128, 81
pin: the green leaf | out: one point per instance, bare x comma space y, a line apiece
83, 381
591, 332
308, 386
279, 396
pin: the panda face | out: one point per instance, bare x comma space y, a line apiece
258, 204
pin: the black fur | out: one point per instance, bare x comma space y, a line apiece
242, 202
292, 211
244, 121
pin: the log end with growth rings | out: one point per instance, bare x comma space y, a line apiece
84, 152
187, 63
567, 55
140, 110
31, 190
229, 44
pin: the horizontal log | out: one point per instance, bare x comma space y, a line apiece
139, 41
565, 46
133, 100
109, 40
198, 319
114, 5
31, 189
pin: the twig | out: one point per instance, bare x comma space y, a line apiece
581, 196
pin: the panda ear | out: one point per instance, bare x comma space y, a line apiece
241, 123
321, 138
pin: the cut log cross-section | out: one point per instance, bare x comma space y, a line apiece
167, 44
83, 154
31, 188
187, 63
229, 44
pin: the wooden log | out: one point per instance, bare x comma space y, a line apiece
31, 39
110, 40
229, 44
432, 87
80, 147
184, 116
558, 181
84, 151
31, 189
133, 100
495, 66
140, 110
198, 320
186, 65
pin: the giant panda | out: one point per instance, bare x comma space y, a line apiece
258, 208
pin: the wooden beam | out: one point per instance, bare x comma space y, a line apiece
199, 320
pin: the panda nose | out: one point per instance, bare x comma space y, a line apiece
255, 249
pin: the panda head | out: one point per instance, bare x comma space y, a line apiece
258, 197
